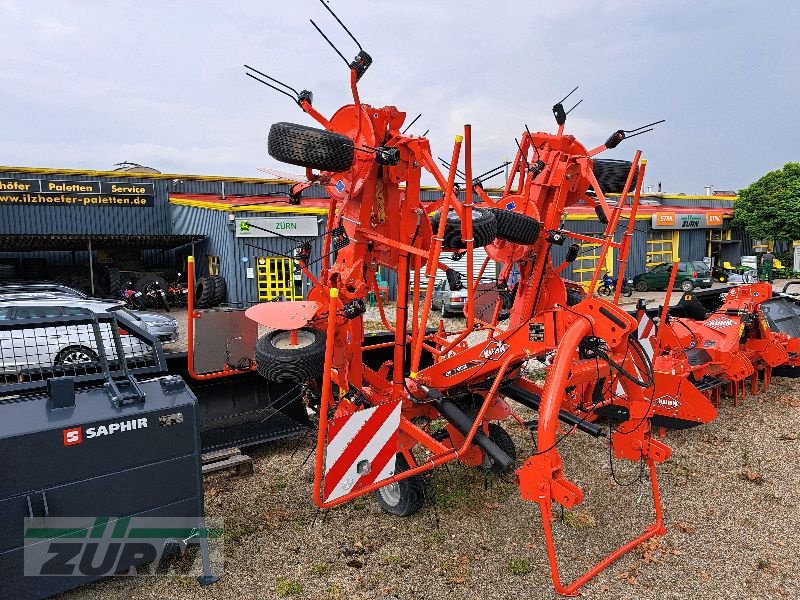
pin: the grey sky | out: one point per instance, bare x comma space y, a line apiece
89, 83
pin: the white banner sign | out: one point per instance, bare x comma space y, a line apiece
292, 227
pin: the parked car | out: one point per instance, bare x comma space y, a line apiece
164, 327
691, 274
452, 303
61, 347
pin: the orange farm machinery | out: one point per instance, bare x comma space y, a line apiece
376, 429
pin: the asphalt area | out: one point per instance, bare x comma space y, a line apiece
731, 497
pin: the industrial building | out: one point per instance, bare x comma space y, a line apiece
61, 221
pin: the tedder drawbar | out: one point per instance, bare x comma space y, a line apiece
375, 424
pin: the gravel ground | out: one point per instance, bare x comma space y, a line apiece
731, 493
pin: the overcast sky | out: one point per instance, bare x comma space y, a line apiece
86, 84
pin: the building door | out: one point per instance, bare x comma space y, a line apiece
275, 279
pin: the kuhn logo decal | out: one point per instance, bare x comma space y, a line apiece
668, 402
720, 323
494, 351
76, 435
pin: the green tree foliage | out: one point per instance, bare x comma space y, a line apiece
769, 209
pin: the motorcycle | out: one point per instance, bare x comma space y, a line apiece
133, 299
610, 284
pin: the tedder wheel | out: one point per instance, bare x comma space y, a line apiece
220, 289
280, 361
500, 437
641, 286
687, 285
484, 228
405, 497
515, 227
310, 147
204, 292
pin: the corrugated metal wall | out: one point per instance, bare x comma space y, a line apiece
692, 244
697, 202
76, 219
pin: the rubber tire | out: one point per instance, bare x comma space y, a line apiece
283, 365
146, 279
204, 292
574, 297
412, 493
687, 286
114, 282
723, 278
627, 291
220, 289
641, 286
500, 437
484, 228
310, 147
59, 359
604, 290
612, 174
515, 227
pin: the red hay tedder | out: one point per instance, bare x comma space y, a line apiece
375, 424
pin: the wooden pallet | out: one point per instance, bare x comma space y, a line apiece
231, 458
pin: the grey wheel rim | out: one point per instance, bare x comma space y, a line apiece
391, 494
282, 341
76, 357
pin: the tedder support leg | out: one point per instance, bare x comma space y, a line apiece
657, 528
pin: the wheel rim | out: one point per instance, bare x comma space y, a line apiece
687, 287
391, 494
282, 341
76, 357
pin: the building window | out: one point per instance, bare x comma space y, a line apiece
662, 246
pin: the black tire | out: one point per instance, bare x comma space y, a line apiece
723, 278
220, 289
114, 282
310, 147
627, 291
147, 281
204, 293
516, 227
574, 296
500, 437
604, 290
612, 175
641, 286
405, 497
484, 228
687, 285
278, 362
69, 357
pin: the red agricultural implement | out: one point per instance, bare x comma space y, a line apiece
378, 425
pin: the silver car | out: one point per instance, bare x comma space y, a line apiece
63, 346
164, 327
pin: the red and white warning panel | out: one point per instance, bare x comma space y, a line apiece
362, 449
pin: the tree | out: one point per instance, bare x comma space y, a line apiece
769, 209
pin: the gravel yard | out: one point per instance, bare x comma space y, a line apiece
731, 494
